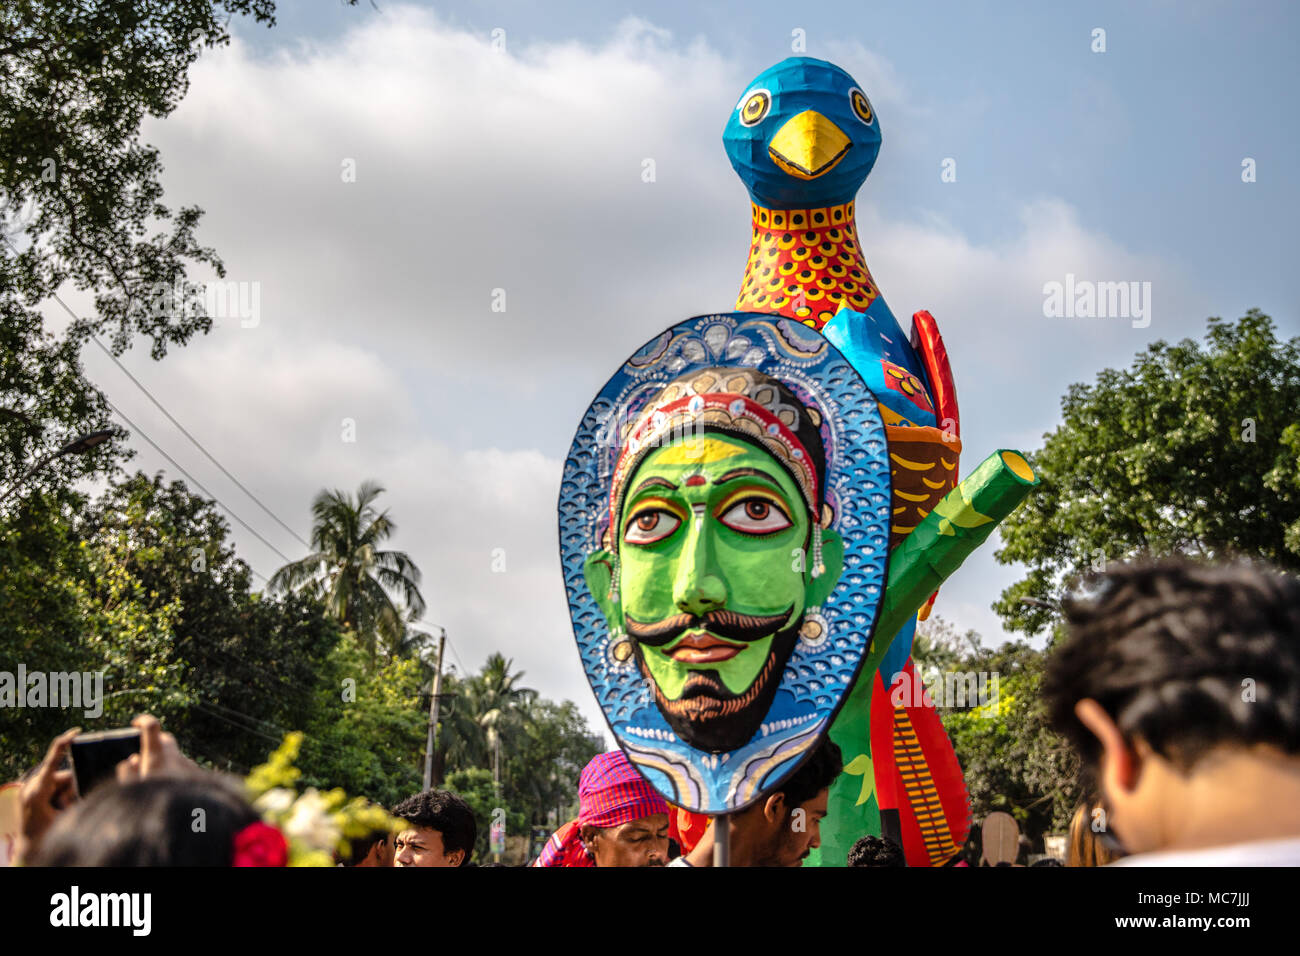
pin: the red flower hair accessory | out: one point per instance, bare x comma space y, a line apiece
260, 844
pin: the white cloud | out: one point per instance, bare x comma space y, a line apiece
521, 170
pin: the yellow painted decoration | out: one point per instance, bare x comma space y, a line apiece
910, 497
1019, 467
960, 512
699, 451
860, 766
912, 465
808, 145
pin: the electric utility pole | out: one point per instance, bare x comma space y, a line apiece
433, 713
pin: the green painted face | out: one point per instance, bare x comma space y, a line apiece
712, 524
713, 582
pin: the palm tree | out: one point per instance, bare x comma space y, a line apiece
488, 706
499, 705
350, 575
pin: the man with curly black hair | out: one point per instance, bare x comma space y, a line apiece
441, 832
1179, 686
877, 852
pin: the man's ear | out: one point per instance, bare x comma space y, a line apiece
820, 587
598, 570
457, 857
1120, 764
589, 836
774, 808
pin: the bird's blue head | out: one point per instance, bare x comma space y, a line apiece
803, 135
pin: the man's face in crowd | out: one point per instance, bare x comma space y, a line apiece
713, 584
799, 834
423, 846
642, 842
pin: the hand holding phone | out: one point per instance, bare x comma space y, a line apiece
158, 754
95, 756
42, 796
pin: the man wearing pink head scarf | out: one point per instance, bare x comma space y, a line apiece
621, 821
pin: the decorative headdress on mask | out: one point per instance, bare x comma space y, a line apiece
743, 403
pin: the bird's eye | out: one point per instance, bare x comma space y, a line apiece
647, 527
754, 107
755, 516
861, 105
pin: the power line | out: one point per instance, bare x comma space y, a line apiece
463, 669
197, 444
251, 530
174, 462
327, 747
450, 643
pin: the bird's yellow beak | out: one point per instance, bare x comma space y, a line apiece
808, 145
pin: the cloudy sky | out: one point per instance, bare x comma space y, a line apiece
379, 173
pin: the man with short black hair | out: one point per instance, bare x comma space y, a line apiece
441, 833
784, 825
372, 849
1179, 685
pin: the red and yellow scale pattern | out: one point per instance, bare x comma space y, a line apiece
805, 264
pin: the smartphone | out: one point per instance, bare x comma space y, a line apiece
95, 756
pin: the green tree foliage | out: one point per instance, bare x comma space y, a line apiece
476, 787
251, 663
145, 589
53, 621
1010, 758
80, 196
350, 575
498, 704
46, 402
541, 772
368, 731
544, 744
1192, 450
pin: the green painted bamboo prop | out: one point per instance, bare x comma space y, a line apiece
927, 557
959, 524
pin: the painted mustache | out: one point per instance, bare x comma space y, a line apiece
730, 625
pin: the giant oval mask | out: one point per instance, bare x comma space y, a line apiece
724, 536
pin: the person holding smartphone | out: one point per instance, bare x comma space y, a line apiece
51, 788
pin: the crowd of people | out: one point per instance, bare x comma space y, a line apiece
1177, 683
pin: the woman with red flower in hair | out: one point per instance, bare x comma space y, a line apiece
163, 810
201, 820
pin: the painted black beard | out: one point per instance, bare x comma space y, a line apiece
708, 716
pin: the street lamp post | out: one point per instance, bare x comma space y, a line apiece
78, 446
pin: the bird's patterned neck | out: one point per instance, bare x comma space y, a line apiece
805, 264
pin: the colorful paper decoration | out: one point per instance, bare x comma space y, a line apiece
919, 799
803, 138
724, 535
